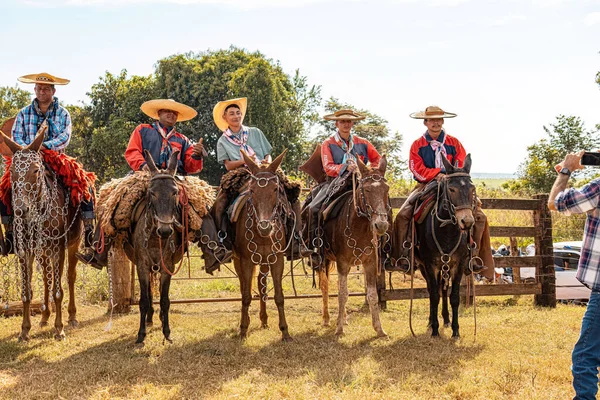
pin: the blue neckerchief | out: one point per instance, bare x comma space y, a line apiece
349, 152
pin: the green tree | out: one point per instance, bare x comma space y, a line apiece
12, 99
373, 128
567, 135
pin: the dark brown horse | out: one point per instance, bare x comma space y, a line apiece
45, 225
352, 238
260, 240
157, 242
442, 249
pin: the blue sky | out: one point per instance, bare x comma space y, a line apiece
505, 67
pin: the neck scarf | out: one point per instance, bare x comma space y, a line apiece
347, 147
241, 139
438, 148
165, 149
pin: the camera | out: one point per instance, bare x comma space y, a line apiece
591, 158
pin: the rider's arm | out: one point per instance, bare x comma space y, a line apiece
60, 129
417, 166
192, 163
374, 156
134, 153
461, 154
19, 136
229, 165
332, 169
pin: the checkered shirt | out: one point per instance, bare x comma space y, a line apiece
29, 120
579, 201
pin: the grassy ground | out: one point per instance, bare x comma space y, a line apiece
520, 352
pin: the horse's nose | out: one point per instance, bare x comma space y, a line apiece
467, 222
264, 227
381, 227
164, 232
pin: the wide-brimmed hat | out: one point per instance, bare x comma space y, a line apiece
44, 78
344, 115
432, 112
152, 107
220, 107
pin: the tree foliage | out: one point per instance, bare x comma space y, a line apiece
567, 135
12, 99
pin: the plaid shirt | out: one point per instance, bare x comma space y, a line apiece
30, 118
579, 201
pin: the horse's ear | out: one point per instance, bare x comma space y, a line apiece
364, 170
447, 165
39, 139
150, 162
277, 161
12, 146
172, 167
249, 162
467, 165
382, 165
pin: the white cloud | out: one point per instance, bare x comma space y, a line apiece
507, 20
592, 19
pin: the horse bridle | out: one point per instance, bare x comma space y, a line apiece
263, 182
369, 211
155, 217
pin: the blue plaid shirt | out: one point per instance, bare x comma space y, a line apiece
30, 118
579, 201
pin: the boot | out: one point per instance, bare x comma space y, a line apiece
90, 255
213, 254
9, 240
297, 250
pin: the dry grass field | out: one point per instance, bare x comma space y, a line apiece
519, 352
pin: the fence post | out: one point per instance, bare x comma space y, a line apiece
381, 287
543, 244
121, 279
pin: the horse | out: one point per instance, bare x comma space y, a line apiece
443, 242
45, 225
260, 240
158, 241
363, 219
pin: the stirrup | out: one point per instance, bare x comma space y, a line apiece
89, 258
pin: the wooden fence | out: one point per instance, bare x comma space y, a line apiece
123, 276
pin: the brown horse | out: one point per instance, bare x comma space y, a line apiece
260, 240
352, 239
45, 224
157, 242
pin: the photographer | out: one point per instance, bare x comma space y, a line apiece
586, 353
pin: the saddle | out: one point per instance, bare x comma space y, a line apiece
425, 202
332, 210
234, 210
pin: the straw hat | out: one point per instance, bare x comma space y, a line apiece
43, 77
432, 112
220, 107
184, 113
344, 115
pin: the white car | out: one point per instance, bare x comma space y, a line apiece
566, 258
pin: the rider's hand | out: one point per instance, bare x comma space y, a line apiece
198, 148
572, 162
439, 177
145, 168
351, 167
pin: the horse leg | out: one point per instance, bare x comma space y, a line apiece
144, 279
71, 277
277, 272
46, 309
261, 280
455, 301
434, 300
150, 312
343, 271
165, 304
26, 268
58, 293
244, 270
324, 286
373, 298
445, 313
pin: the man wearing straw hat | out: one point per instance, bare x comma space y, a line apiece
229, 116
425, 162
45, 112
338, 156
161, 139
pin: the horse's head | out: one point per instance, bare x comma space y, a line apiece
26, 170
461, 192
373, 195
162, 196
266, 191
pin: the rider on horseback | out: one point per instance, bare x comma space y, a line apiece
161, 139
338, 157
425, 162
228, 116
45, 112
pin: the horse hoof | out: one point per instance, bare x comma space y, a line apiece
23, 338
43, 324
74, 323
265, 326
59, 336
168, 340
339, 333
139, 345
382, 334
287, 338
149, 324
326, 323
446, 324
